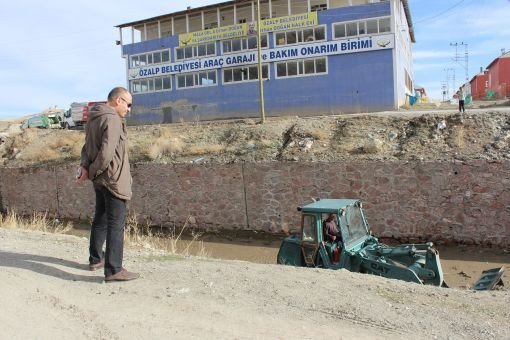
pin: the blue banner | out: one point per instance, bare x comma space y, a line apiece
308, 50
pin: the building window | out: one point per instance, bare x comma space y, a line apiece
150, 58
151, 85
242, 44
210, 25
195, 51
299, 36
302, 67
198, 79
384, 25
408, 81
361, 27
244, 73
371, 26
319, 7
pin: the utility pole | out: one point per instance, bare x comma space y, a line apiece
458, 57
443, 90
261, 80
450, 77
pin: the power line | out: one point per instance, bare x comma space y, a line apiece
440, 13
464, 58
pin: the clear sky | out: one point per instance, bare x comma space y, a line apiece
484, 25
55, 52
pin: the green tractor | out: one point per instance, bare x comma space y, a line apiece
356, 249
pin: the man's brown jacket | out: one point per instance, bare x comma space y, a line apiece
105, 153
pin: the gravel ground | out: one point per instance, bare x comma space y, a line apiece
46, 292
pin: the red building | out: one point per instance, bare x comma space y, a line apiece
479, 85
499, 76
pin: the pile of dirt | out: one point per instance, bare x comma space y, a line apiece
403, 135
188, 297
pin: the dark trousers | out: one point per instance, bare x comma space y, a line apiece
108, 225
461, 106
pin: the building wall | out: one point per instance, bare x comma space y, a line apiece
479, 86
411, 201
504, 77
354, 82
499, 77
493, 74
403, 54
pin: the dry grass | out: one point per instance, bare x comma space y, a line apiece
135, 234
59, 145
35, 222
199, 150
142, 235
164, 147
319, 134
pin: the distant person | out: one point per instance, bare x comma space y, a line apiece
332, 232
462, 99
104, 160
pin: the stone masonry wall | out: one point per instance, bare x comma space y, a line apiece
412, 201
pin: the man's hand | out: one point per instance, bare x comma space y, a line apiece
82, 175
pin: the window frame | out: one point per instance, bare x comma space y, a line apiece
193, 75
319, 7
233, 82
243, 43
194, 51
312, 227
147, 56
300, 66
299, 35
359, 22
138, 82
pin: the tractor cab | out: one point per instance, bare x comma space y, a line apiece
313, 247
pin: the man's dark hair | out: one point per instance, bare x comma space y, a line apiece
116, 92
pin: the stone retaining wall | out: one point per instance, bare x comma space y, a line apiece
440, 201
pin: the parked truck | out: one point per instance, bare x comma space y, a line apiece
56, 119
78, 114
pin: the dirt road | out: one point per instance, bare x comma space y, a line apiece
47, 293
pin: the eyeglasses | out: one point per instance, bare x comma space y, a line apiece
125, 101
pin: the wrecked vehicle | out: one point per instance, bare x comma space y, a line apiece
358, 251
37, 121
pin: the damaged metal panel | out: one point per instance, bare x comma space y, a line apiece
490, 279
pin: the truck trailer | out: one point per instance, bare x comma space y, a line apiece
78, 114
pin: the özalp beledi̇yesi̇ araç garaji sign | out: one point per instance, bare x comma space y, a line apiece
305, 50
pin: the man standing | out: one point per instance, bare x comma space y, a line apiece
462, 99
104, 160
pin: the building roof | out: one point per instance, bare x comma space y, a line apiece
186, 11
407, 11
405, 3
478, 75
328, 205
505, 55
